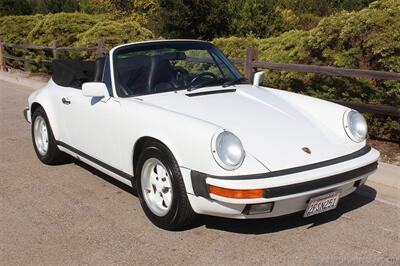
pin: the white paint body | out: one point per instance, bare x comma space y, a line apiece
273, 126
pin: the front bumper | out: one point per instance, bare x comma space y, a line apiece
289, 192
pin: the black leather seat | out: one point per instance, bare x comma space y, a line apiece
162, 75
144, 74
133, 74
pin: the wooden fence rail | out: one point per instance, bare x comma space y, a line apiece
54, 49
250, 63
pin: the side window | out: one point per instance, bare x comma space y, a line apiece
107, 76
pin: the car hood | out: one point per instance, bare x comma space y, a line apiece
271, 129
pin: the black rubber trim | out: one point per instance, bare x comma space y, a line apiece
209, 92
25, 112
298, 169
319, 183
200, 187
94, 160
308, 167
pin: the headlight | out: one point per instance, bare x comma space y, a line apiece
227, 150
355, 126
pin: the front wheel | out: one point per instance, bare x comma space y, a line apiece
43, 139
161, 189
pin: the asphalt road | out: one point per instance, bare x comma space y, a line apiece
72, 214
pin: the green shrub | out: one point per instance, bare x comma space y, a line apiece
114, 33
69, 29
63, 27
15, 29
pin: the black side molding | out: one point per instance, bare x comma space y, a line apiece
94, 160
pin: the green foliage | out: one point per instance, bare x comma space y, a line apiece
195, 19
91, 7
15, 29
69, 29
208, 19
322, 7
29, 7
114, 33
258, 17
141, 11
53, 6
12, 7
63, 27
367, 39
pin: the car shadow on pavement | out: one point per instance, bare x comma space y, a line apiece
362, 196
358, 199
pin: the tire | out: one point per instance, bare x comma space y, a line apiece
50, 155
175, 211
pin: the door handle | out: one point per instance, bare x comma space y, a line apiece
65, 100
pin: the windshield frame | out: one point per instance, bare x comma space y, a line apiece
153, 45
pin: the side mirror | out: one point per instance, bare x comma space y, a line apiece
258, 78
95, 89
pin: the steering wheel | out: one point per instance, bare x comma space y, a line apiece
204, 74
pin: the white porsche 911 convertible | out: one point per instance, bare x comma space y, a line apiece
176, 120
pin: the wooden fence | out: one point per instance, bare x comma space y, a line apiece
99, 50
250, 63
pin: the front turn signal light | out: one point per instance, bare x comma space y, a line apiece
236, 193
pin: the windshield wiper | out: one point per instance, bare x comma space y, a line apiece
202, 84
234, 81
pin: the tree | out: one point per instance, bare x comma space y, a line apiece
323, 7
54, 6
203, 19
14, 7
257, 17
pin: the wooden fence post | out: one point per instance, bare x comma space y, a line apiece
26, 62
3, 66
100, 47
251, 59
54, 49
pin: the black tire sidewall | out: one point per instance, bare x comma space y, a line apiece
52, 149
161, 153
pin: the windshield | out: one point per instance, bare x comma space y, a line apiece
169, 66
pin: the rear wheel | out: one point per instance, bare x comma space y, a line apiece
161, 189
43, 139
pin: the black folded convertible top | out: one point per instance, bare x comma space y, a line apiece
73, 72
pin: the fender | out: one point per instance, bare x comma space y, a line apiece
48, 97
180, 133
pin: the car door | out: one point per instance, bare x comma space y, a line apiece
92, 124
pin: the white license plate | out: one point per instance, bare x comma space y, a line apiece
322, 203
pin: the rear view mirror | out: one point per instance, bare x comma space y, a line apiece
95, 89
258, 78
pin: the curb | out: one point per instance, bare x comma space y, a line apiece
387, 174
23, 79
